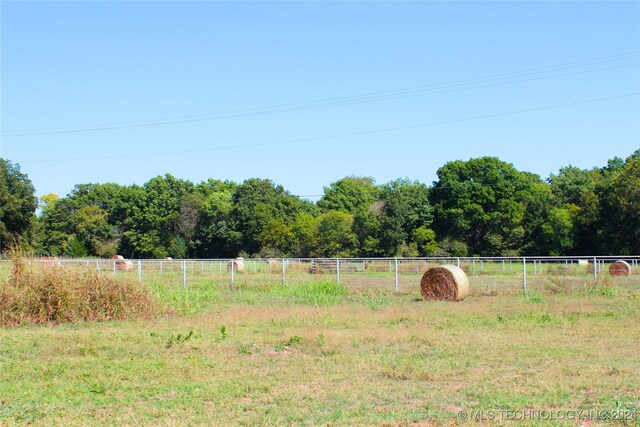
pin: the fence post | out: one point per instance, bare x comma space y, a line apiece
458, 260
139, 271
396, 263
338, 270
595, 271
184, 273
233, 274
284, 269
524, 274
114, 267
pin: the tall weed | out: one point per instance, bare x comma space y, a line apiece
42, 293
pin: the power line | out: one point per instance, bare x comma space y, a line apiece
325, 137
436, 88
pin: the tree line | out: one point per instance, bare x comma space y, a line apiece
482, 206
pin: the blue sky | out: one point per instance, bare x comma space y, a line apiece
98, 91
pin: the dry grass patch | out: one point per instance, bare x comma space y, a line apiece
40, 293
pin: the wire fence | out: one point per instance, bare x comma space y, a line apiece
397, 274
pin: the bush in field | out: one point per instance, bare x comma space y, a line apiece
45, 293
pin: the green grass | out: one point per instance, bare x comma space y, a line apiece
314, 353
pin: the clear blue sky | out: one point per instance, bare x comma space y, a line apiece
340, 69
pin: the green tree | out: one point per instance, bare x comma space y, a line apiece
333, 235
96, 215
367, 228
484, 203
93, 232
256, 202
620, 211
276, 238
556, 233
425, 240
52, 221
214, 236
17, 204
576, 191
154, 225
406, 208
349, 194
178, 248
303, 234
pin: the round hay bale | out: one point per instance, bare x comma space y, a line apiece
236, 265
620, 268
122, 264
168, 258
447, 282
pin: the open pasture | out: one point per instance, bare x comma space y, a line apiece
315, 352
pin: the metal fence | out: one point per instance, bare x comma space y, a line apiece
397, 274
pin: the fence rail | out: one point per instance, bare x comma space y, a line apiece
399, 274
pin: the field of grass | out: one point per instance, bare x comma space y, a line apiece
319, 353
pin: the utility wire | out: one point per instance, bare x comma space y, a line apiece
325, 137
437, 88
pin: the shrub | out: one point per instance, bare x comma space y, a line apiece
44, 293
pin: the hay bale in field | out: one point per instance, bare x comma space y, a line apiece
583, 262
274, 265
446, 282
236, 264
122, 264
167, 258
620, 268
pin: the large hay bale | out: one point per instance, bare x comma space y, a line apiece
620, 268
446, 282
122, 264
236, 265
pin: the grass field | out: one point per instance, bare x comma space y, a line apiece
319, 353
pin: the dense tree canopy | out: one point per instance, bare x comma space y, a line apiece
483, 203
349, 194
481, 206
17, 203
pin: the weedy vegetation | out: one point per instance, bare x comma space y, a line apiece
44, 293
